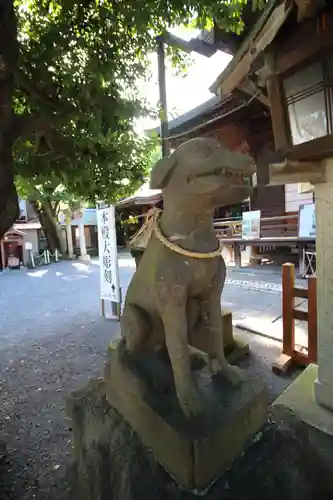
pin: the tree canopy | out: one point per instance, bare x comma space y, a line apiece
68, 93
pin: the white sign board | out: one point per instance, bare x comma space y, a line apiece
108, 255
13, 261
307, 221
251, 225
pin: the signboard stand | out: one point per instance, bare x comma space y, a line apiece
108, 258
307, 229
115, 309
251, 225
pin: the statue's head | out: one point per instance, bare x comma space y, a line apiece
200, 172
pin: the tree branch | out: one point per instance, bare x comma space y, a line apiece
27, 124
24, 82
55, 208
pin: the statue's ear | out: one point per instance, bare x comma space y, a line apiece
161, 173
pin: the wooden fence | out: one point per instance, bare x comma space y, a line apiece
290, 354
270, 227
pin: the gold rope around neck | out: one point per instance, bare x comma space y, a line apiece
176, 248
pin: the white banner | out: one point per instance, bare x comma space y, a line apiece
108, 255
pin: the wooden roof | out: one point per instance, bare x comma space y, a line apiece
263, 32
239, 116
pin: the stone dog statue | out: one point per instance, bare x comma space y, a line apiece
177, 286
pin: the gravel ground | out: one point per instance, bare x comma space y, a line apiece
52, 340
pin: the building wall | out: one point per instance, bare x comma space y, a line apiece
270, 200
293, 198
90, 233
31, 236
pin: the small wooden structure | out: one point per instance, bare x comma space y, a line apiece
287, 59
242, 122
11, 249
137, 207
290, 354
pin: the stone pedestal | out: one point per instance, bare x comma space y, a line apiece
324, 254
288, 459
235, 347
194, 452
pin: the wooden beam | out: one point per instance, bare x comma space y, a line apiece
2, 252
290, 172
307, 41
280, 121
306, 9
249, 88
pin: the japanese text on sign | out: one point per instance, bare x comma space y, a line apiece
107, 243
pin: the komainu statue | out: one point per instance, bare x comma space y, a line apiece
167, 380
177, 287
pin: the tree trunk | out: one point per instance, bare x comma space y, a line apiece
50, 225
50, 214
9, 209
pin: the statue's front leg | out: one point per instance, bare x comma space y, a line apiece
173, 313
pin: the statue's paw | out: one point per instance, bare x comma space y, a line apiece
232, 374
190, 401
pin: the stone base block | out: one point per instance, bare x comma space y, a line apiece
194, 452
302, 398
84, 258
237, 349
235, 346
288, 458
324, 394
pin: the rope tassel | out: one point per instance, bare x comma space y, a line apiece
142, 237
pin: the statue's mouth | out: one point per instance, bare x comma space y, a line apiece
235, 177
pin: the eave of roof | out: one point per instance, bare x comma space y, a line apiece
258, 26
143, 196
185, 119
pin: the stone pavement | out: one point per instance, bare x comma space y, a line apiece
56, 293
53, 339
262, 314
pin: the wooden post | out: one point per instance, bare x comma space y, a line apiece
288, 305
163, 99
290, 354
2, 251
32, 259
288, 324
238, 255
312, 319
